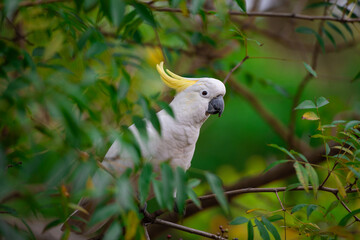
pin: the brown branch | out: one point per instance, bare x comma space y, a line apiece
187, 229
346, 207
265, 14
281, 204
234, 68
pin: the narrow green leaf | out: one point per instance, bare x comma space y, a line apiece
262, 230
310, 69
336, 29
103, 213
167, 180
238, 221
271, 228
318, 4
144, 182
351, 124
302, 175
140, 125
297, 208
356, 173
192, 195
114, 231
196, 5
309, 210
347, 27
321, 101
250, 230
216, 187
345, 219
117, 11
193, 182
292, 186
242, 4
155, 120
52, 224
166, 107
329, 36
306, 30
357, 77
180, 183
314, 179
327, 149
283, 150
158, 192
273, 164
300, 155
275, 218
332, 206
307, 104
145, 13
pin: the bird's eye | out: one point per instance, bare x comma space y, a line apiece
204, 93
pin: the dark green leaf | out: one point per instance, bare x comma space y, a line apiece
140, 125
250, 229
144, 182
117, 11
345, 219
332, 206
166, 107
262, 230
271, 228
238, 221
321, 101
347, 27
275, 218
180, 183
310, 208
310, 70
318, 4
242, 4
158, 193
155, 120
297, 208
145, 13
300, 155
336, 29
307, 104
306, 30
283, 150
104, 212
95, 49
52, 224
273, 164
357, 77
167, 180
330, 37
196, 5
192, 195
216, 187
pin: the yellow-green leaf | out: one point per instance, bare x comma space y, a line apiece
302, 175
339, 186
310, 116
314, 179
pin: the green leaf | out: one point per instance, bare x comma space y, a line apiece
166, 107
144, 182
347, 27
310, 69
292, 186
273, 164
52, 224
275, 218
238, 221
357, 77
242, 5
302, 175
114, 231
297, 208
216, 187
167, 180
307, 104
351, 124
283, 150
311, 116
103, 213
318, 4
180, 183
329, 36
332, 206
117, 11
300, 155
327, 149
196, 5
356, 173
310, 208
140, 125
250, 229
262, 230
336, 29
158, 192
95, 49
345, 219
155, 120
145, 13
192, 195
306, 30
314, 179
321, 101
271, 228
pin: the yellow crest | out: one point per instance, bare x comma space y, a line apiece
174, 81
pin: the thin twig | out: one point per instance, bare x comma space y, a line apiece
265, 14
346, 207
282, 206
187, 229
234, 68
146, 233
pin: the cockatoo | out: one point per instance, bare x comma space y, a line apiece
195, 100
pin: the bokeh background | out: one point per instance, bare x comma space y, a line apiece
74, 73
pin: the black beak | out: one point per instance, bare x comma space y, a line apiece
216, 106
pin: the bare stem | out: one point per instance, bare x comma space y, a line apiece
234, 68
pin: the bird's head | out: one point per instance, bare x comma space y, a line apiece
196, 98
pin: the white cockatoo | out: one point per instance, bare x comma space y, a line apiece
195, 100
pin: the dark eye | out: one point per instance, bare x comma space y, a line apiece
204, 93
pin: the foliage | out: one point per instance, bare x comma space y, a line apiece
75, 74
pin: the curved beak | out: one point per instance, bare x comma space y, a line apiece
216, 106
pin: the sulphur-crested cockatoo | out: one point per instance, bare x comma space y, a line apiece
195, 100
